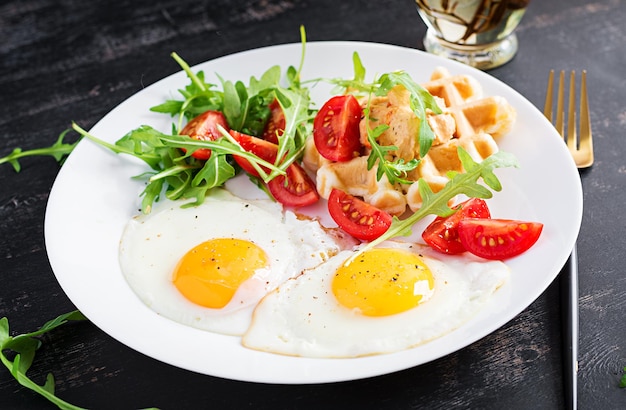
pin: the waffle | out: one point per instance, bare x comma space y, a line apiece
468, 119
474, 114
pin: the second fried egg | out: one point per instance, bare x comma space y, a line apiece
387, 299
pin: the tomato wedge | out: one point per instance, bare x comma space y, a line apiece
204, 128
276, 124
442, 234
295, 188
336, 128
261, 148
357, 217
498, 238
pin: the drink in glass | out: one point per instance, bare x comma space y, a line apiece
476, 32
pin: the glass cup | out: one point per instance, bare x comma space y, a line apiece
479, 33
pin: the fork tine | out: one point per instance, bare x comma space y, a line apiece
585, 121
547, 107
571, 113
560, 111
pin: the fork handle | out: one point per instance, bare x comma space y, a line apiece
569, 322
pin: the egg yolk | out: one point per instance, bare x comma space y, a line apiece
382, 282
210, 274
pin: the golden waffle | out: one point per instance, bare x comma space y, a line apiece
468, 119
473, 113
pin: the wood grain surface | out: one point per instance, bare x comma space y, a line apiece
63, 61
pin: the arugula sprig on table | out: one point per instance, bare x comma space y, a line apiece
59, 150
25, 347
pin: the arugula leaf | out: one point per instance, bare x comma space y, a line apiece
419, 99
59, 150
622, 382
295, 104
246, 108
25, 345
465, 183
394, 170
356, 85
199, 95
171, 107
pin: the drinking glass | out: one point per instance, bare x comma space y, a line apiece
479, 33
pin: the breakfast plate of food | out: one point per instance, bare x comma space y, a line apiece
322, 235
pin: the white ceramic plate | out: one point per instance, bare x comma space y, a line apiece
94, 196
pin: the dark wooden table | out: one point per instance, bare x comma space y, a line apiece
76, 60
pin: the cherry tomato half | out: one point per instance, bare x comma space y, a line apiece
336, 128
204, 128
498, 238
357, 217
276, 124
298, 190
442, 233
261, 148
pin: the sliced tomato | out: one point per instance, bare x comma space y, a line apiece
261, 148
295, 188
357, 217
442, 233
498, 238
336, 128
276, 124
204, 128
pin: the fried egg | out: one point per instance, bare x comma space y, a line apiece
207, 266
386, 299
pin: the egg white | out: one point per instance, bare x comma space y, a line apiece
152, 245
302, 317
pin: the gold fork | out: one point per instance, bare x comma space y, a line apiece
580, 146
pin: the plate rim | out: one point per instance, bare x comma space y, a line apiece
371, 365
